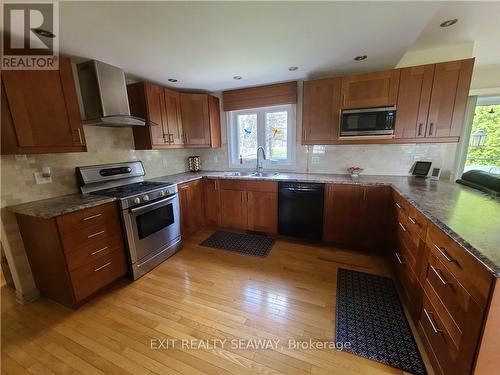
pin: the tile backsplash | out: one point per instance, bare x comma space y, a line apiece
105, 145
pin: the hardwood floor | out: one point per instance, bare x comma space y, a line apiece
198, 294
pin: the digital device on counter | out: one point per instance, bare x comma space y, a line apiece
436, 172
421, 168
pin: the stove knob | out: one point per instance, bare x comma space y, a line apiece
145, 198
161, 193
137, 200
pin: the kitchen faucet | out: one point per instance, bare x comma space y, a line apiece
259, 162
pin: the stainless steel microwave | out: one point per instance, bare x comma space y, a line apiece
366, 122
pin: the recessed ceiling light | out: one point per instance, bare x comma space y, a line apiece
448, 23
45, 33
237, 78
172, 80
293, 68
360, 58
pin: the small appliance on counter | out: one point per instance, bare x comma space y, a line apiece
194, 163
421, 168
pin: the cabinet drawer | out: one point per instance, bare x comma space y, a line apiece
232, 184
417, 223
405, 247
263, 186
90, 235
89, 253
400, 204
409, 285
441, 344
467, 270
79, 220
93, 276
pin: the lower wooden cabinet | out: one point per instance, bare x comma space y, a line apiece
233, 207
191, 207
211, 202
74, 255
356, 216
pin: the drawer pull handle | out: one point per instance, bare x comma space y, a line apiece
399, 259
95, 234
443, 252
439, 275
402, 227
412, 220
101, 267
98, 251
398, 206
91, 217
431, 322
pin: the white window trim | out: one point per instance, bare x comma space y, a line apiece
232, 143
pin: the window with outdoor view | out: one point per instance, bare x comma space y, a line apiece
273, 128
484, 147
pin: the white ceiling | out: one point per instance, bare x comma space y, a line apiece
205, 44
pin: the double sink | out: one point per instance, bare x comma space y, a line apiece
252, 174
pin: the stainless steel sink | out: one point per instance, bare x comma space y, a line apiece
264, 174
237, 174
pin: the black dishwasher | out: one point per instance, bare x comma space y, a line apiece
300, 209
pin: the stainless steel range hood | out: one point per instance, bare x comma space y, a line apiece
104, 95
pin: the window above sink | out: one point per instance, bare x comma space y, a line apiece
273, 128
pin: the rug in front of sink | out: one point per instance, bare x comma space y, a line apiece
248, 244
370, 317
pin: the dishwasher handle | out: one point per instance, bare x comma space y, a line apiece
300, 189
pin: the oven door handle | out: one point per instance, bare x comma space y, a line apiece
146, 207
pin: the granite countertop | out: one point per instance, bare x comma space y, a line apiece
52, 207
471, 218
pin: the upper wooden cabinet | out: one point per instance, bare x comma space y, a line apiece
450, 90
413, 101
40, 112
161, 109
321, 111
201, 120
378, 89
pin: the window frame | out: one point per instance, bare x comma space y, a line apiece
233, 134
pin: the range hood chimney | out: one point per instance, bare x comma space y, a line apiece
104, 95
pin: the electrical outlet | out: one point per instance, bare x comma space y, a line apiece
22, 157
315, 160
42, 180
216, 158
164, 162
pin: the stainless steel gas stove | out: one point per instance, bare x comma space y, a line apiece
150, 211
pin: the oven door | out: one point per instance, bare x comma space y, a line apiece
374, 121
152, 227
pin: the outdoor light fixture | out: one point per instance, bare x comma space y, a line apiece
478, 138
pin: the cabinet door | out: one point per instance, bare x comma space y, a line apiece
214, 118
211, 201
413, 101
449, 98
342, 214
321, 111
233, 208
156, 113
173, 117
195, 119
378, 89
191, 207
262, 211
43, 109
374, 219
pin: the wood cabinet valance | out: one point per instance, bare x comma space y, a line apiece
260, 96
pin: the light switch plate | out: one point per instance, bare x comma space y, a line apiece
42, 180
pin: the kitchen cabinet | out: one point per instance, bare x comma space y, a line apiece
201, 120
377, 89
74, 255
450, 90
342, 213
233, 206
321, 111
211, 202
374, 218
161, 109
40, 112
413, 101
191, 207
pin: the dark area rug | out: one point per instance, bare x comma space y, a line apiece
248, 244
370, 317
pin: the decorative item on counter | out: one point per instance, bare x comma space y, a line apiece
354, 171
194, 163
